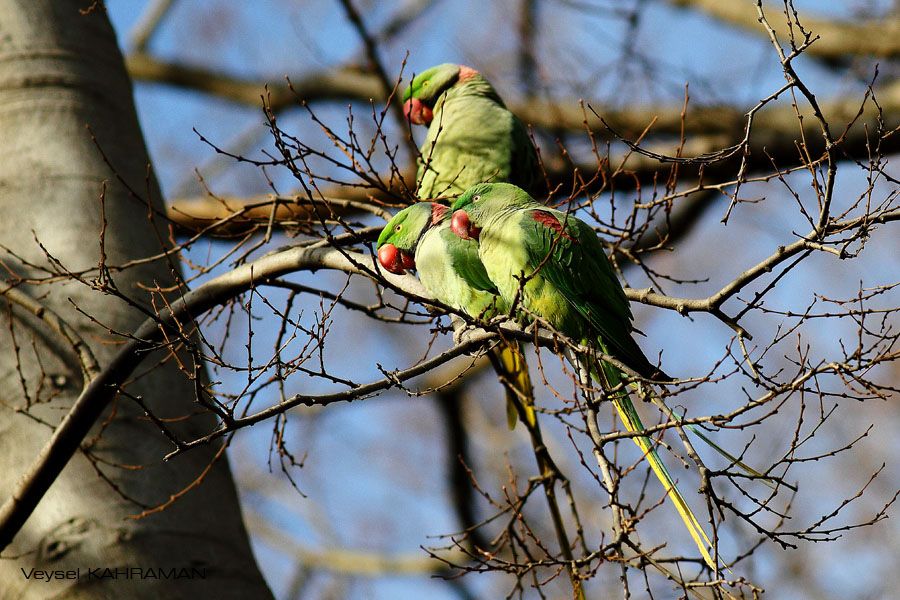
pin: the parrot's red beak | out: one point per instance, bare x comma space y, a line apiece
463, 227
417, 112
395, 260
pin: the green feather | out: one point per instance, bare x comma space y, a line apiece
569, 283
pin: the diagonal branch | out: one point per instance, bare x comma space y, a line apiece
838, 40
323, 85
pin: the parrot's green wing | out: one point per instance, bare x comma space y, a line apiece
581, 272
464, 261
450, 269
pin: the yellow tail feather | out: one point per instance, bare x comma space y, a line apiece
632, 422
659, 469
519, 393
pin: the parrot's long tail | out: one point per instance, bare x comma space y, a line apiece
633, 424
510, 364
610, 376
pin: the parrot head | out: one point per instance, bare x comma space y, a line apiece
480, 202
426, 87
399, 238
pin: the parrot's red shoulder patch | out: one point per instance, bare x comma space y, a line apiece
437, 212
548, 219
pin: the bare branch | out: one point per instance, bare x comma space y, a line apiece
836, 41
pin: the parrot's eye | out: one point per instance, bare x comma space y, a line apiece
398, 227
476, 197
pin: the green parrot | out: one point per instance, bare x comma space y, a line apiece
472, 137
570, 284
419, 237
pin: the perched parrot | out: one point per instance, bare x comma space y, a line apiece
419, 237
472, 137
570, 284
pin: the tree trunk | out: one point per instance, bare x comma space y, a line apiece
60, 73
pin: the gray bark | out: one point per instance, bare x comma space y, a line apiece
61, 71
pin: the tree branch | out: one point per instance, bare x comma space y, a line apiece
838, 40
231, 216
565, 114
354, 562
324, 85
